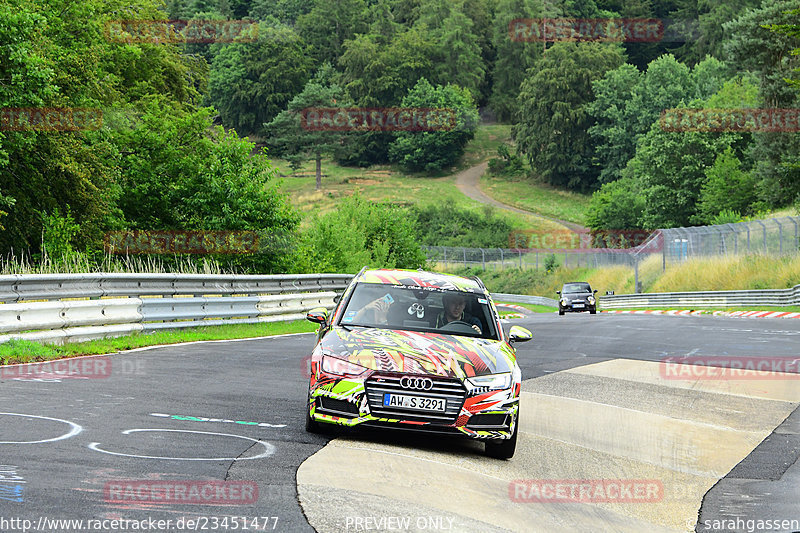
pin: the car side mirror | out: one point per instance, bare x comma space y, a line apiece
558, 292
318, 315
337, 298
594, 291
519, 334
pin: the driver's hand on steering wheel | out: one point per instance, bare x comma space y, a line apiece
476, 328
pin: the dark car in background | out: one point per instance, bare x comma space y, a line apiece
576, 297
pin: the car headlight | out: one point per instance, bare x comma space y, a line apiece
564, 301
590, 299
491, 382
340, 367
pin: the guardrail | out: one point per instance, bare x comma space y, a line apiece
120, 304
747, 298
524, 299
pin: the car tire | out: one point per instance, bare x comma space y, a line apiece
312, 426
592, 311
560, 312
503, 449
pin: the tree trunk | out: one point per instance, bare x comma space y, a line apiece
319, 171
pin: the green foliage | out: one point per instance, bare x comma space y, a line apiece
380, 75
627, 103
448, 225
553, 120
59, 233
329, 24
458, 51
617, 205
726, 216
251, 82
671, 169
550, 263
507, 164
286, 11
360, 233
435, 150
727, 189
184, 174
287, 137
513, 57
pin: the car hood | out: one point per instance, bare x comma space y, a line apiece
419, 353
576, 295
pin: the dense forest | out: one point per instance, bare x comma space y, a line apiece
174, 150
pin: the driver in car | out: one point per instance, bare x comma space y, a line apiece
454, 305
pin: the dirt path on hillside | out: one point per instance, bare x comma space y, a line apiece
468, 182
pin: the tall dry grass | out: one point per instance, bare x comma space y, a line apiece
80, 263
730, 273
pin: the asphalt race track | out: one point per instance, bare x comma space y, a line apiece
220, 424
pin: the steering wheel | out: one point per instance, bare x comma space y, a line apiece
460, 326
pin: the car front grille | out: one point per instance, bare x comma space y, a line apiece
451, 390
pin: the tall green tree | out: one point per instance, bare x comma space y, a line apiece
752, 46
627, 103
329, 24
513, 56
434, 150
553, 120
251, 82
671, 169
286, 135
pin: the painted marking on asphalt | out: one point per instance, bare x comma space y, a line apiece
11, 484
75, 429
269, 449
226, 421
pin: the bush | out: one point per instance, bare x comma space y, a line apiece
432, 151
360, 233
448, 225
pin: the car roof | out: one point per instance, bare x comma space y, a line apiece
577, 283
419, 278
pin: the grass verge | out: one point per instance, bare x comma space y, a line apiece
771, 309
20, 351
533, 307
524, 193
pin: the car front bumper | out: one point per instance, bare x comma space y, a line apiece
354, 401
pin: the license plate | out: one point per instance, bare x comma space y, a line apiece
414, 402
577, 305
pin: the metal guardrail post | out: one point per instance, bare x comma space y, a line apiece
780, 237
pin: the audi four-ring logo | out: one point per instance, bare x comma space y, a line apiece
416, 383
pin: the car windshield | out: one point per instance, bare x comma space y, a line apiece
424, 309
572, 288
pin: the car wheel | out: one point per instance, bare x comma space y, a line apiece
312, 426
503, 449
592, 311
560, 312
